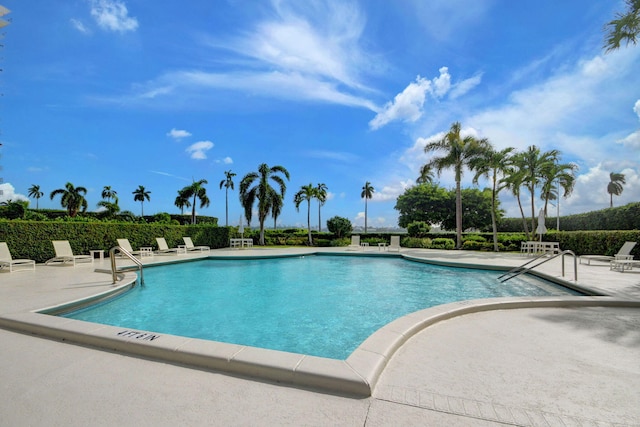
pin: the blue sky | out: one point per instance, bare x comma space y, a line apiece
124, 93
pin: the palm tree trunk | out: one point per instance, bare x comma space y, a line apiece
458, 215
309, 221
493, 216
365, 214
226, 204
524, 221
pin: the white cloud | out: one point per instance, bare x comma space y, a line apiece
113, 15
199, 150
636, 108
9, 193
465, 86
178, 134
227, 160
78, 25
408, 105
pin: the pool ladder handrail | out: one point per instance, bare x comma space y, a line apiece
514, 272
128, 255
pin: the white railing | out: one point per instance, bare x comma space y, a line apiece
136, 261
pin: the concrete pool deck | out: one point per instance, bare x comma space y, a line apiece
527, 366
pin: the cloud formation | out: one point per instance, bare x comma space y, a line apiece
178, 134
112, 15
198, 151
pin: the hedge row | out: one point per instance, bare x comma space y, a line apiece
32, 239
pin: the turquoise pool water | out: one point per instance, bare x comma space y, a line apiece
317, 305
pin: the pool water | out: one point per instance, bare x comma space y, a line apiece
317, 305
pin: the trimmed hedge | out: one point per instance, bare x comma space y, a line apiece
32, 239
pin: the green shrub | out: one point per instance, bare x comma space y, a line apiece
340, 242
339, 226
443, 243
418, 229
416, 242
473, 238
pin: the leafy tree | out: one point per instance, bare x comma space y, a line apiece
428, 203
141, 194
227, 183
108, 193
616, 180
476, 210
367, 193
625, 28
182, 201
198, 192
13, 209
339, 226
262, 191
111, 208
458, 153
493, 164
34, 191
71, 198
306, 193
322, 198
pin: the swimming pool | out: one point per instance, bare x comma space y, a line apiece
317, 305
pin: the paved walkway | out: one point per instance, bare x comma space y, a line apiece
531, 367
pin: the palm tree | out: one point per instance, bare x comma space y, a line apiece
458, 153
34, 191
554, 176
72, 198
615, 185
306, 193
140, 195
182, 201
197, 191
322, 198
227, 183
108, 194
625, 28
262, 191
367, 193
513, 181
112, 208
493, 164
534, 164
276, 209
426, 175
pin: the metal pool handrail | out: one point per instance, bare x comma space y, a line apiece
523, 268
128, 255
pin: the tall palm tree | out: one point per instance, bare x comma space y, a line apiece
554, 176
262, 191
366, 194
534, 164
616, 180
71, 198
321, 189
306, 193
493, 164
276, 209
182, 201
34, 191
227, 182
625, 28
197, 191
108, 194
513, 181
141, 194
458, 152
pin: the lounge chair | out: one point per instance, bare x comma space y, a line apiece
124, 244
64, 254
163, 248
191, 247
7, 261
623, 254
355, 244
395, 243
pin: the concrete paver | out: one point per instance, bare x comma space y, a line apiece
535, 366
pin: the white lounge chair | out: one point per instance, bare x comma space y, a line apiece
7, 261
395, 243
623, 254
163, 248
124, 244
191, 247
355, 244
64, 254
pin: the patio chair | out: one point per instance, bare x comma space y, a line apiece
163, 248
64, 254
623, 254
355, 244
191, 247
7, 261
124, 244
395, 243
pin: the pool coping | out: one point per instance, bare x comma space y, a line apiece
356, 376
